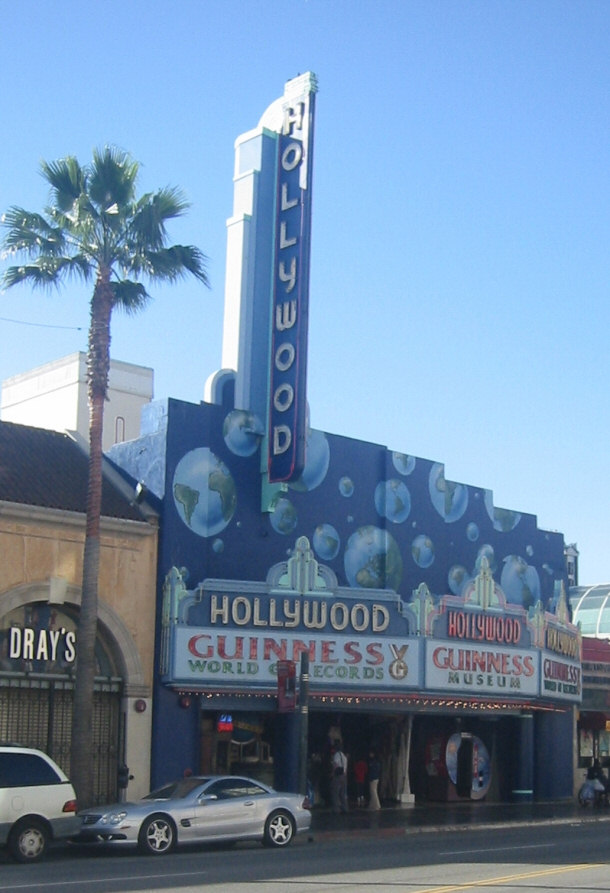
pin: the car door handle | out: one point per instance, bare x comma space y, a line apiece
249, 803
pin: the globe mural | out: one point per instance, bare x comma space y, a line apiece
242, 432
392, 501
520, 581
486, 551
326, 542
346, 487
317, 458
458, 578
402, 463
372, 559
422, 549
481, 763
204, 492
503, 520
472, 532
283, 515
448, 498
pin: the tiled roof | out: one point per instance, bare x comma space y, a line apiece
48, 469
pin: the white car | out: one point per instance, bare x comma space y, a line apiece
37, 802
200, 809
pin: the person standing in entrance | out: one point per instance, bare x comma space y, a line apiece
374, 773
339, 780
360, 772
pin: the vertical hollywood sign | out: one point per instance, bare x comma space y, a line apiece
287, 410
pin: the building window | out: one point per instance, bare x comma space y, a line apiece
119, 429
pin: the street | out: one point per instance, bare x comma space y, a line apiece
538, 858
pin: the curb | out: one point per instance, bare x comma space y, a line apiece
315, 834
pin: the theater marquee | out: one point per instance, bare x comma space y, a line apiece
231, 636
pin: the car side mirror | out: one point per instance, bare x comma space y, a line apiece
206, 798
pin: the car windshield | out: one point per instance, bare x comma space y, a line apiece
176, 790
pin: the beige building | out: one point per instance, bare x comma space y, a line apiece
54, 396
43, 479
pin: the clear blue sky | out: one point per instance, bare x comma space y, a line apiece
461, 230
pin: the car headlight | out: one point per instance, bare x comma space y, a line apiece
113, 818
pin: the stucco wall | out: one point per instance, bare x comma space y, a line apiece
42, 553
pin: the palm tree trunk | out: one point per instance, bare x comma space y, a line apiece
82, 762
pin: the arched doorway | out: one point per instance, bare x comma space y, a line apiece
38, 653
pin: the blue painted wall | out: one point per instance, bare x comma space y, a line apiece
376, 517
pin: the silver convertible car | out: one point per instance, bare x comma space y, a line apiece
200, 809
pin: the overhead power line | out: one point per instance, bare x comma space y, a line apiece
40, 325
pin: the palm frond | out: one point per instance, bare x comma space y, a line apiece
96, 223
67, 180
129, 296
170, 202
171, 264
31, 233
112, 179
151, 213
46, 272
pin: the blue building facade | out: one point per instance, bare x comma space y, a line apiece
384, 532
433, 623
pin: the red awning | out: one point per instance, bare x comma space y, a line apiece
593, 721
596, 651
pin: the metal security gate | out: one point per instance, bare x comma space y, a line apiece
36, 711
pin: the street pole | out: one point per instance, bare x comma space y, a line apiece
304, 719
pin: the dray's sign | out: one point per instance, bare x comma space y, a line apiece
30, 644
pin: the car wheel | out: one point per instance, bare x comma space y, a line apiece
28, 841
157, 835
279, 829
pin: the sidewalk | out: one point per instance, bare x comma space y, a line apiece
397, 820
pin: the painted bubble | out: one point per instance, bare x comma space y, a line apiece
503, 520
472, 532
326, 542
422, 549
316, 462
204, 492
402, 463
218, 546
458, 579
448, 498
520, 581
346, 487
529, 551
481, 778
283, 516
242, 432
392, 500
486, 551
372, 559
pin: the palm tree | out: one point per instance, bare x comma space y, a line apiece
96, 228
